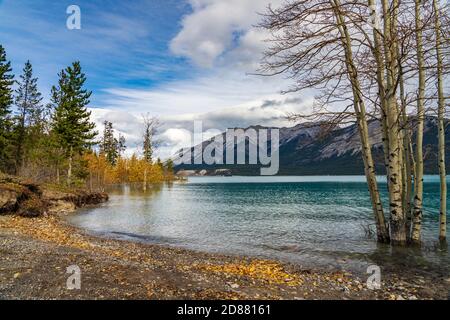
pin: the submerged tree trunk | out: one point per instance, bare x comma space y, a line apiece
441, 126
408, 176
360, 111
394, 175
369, 166
418, 183
407, 167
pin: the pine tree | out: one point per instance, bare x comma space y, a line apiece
110, 145
28, 103
159, 163
71, 120
169, 166
6, 99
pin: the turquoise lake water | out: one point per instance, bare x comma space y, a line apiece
310, 221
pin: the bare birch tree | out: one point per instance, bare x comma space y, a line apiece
367, 59
149, 144
441, 125
418, 183
313, 42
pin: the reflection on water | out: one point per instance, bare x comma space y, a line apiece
311, 221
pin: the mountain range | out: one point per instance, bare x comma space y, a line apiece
309, 149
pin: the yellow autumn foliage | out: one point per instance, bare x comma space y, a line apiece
126, 170
257, 269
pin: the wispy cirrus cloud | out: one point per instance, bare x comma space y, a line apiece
118, 45
221, 88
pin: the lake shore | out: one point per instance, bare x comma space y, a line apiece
34, 255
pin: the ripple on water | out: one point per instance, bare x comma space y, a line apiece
316, 221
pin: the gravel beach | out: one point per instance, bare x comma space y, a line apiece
35, 254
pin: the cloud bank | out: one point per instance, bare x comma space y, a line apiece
175, 131
217, 26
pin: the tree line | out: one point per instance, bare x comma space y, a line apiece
57, 142
110, 166
385, 60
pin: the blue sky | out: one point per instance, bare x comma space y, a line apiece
179, 60
121, 44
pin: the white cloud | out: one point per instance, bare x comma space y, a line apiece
215, 26
176, 131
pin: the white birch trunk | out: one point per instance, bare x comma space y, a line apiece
397, 215
441, 126
418, 183
360, 111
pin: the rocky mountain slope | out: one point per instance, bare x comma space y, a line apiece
309, 150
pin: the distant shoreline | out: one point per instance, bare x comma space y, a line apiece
300, 176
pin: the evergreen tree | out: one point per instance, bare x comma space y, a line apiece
110, 145
159, 163
71, 119
6, 99
30, 111
169, 166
